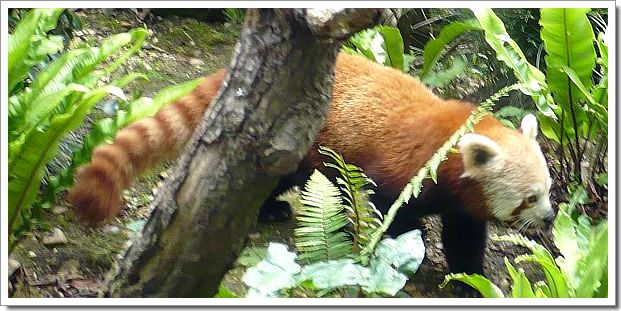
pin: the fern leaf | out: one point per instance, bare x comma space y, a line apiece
319, 235
361, 212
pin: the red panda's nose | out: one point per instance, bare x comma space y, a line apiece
548, 219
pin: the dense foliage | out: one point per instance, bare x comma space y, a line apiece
571, 97
580, 271
52, 91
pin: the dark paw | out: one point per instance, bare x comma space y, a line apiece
463, 290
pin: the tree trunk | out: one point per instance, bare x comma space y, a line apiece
273, 103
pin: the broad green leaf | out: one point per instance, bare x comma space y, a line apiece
565, 239
40, 147
44, 105
381, 44
476, 281
554, 277
367, 44
383, 278
138, 110
594, 105
393, 46
273, 274
542, 290
224, 292
550, 128
603, 49
568, 39
24, 47
520, 287
434, 47
405, 253
511, 111
576, 81
333, 274
55, 75
532, 80
441, 78
593, 264
602, 291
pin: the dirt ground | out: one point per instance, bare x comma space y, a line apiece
179, 50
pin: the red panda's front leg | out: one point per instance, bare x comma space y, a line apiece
463, 240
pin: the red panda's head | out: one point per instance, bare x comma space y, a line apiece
512, 172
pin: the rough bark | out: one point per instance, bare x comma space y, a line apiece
273, 103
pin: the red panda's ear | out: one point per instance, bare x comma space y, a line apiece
529, 126
477, 151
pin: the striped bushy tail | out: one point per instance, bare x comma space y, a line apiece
96, 194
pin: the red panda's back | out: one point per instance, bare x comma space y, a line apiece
385, 121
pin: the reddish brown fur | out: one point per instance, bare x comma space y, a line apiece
96, 195
382, 120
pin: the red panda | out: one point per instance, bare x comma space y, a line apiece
384, 121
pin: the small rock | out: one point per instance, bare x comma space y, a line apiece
125, 23
70, 269
504, 283
13, 266
196, 62
154, 190
59, 209
155, 40
254, 236
438, 245
54, 238
32, 254
111, 229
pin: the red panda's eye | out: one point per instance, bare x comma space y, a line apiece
532, 199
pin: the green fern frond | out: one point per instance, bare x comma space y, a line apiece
319, 235
430, 169
361, 212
